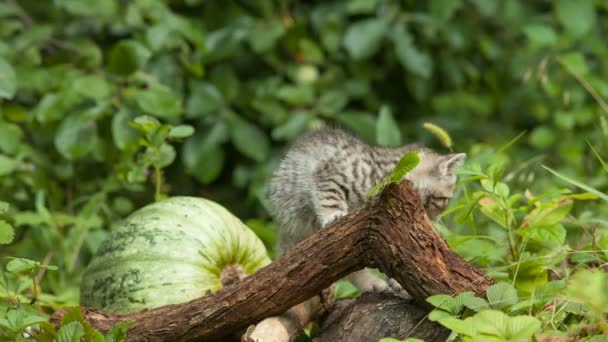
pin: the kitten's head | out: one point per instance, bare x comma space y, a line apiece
434, 179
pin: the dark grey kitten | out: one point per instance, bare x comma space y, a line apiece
327, 173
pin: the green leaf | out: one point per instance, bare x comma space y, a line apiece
293, 127
464, 327
475, 303
71, 332
7, 165
7, 233
93, 86
345, 289
202, 153
406, 164
18, 265
250, 140
443, 10
575, 63
546, 216
127, 56
542, 137
265, 33
578, 184
122, 132
447, 303
166, 156
363, 38
363, 124
540, 35
105, 9
501, 295
76, 137
181, 131
411, 58
297, 95
589, 287
550, 236
159, 100
491, 323
8, 80
577, 17
204, 99
118, 332
522, 328
387, 130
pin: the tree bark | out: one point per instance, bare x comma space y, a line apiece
392, 232
376, 315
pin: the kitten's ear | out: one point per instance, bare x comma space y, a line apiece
451, 162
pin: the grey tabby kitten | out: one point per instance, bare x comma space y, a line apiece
327, 173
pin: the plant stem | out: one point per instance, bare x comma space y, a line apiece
158, 180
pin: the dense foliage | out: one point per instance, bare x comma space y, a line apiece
108, 105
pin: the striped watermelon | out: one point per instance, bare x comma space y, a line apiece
168, 252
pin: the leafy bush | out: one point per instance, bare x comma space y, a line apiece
108, 105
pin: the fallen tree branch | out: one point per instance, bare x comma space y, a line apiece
392, 233
376, 315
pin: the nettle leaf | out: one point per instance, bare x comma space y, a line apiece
7, 233
522, 327
71, 332
447, 303
118, 332
387, 130
8, 80
463, 327
363, 38
577, 17
501, 295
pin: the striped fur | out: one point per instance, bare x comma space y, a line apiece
327, 173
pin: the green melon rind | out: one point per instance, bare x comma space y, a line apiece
168, 252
